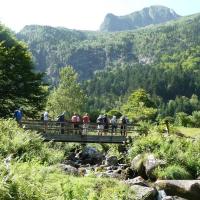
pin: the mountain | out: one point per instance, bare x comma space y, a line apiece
135, 20
163, 59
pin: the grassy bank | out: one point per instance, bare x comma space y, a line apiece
180, 153
189, 132
29, 171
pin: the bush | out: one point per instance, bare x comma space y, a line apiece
32, 181
25, 145
172, 172
173, 149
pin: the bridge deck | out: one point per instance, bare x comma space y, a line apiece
84, 138
64, 132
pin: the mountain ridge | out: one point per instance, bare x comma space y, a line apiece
138, 19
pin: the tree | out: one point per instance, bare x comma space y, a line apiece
19, 84
68, 96
139, 106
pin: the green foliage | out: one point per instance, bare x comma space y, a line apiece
139, 106
162, 59
29, 174
25, 145
114, 112
174, 150
28, 181
19, 85
181, 104
182, 119
173, 172
195, 119
68, 96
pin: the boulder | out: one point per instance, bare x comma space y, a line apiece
136, 181
90, 155
129, 173
68, 169
71, 156
173, 198
112, 167
102, 175
150, 163
82, 171
71, 163
115, 174
100, 168
137, 165
137, 162
144, 193
189, 189
111, 161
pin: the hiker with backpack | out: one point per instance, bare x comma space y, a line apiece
18, 116
123, 127
45, 120
113, 122
75, 123
100, 126
86, 121
61, 120
106, 122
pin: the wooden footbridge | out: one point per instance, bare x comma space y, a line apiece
65, 132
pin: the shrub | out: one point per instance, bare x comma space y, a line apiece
25, 145
176, 172
32, 181
173, 149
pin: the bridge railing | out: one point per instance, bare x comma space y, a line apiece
67, 127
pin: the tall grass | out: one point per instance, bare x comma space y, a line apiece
177, 151
31, 172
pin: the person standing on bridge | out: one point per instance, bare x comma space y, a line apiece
86, 121
75, 123
113, 125
61, 120
18, 116
100, 122
46, 119
106, 124
124, 122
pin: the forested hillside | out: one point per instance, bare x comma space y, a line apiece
135, 20
162, 59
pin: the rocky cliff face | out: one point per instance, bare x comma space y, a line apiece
145, 17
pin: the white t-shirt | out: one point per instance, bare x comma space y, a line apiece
46, 118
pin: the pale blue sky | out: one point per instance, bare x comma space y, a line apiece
79, 14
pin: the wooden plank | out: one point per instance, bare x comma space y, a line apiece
84, 138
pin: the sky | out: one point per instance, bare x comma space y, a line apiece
79, 14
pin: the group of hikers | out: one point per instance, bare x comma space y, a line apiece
80, 125
103, 123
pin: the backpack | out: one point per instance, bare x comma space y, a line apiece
42, 117
61, 118
113, 121
100, 120
105, 120
18, 114
124, 120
